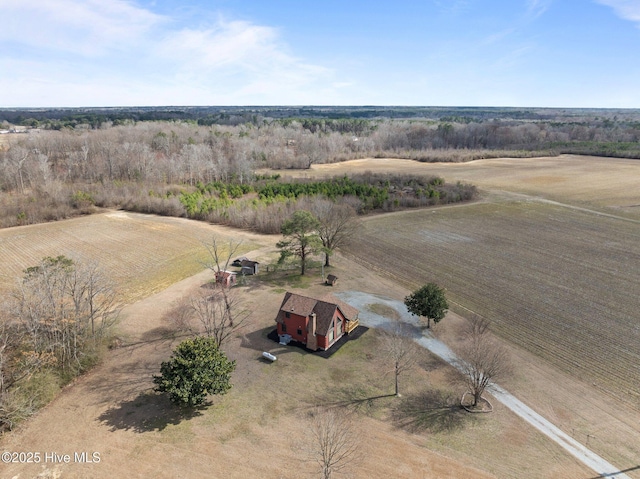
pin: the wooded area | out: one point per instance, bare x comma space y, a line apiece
200, 161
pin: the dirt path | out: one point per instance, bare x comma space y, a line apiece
522, 196
589, 458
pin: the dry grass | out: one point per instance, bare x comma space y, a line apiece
143, 254
543, 272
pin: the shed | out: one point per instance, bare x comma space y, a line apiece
331, 280
238, 261
249, 267
226, 278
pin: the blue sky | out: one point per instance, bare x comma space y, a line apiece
546, 53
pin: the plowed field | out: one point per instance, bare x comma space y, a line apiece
562, 283
141, 253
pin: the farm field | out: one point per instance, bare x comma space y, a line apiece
141, 253
558, 282
609, 184
561, 283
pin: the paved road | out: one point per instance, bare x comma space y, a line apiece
589, 458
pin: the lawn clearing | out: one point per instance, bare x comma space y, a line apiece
261, 428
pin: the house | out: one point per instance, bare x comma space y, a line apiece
226, 278
331, 280
316, 323
249, 267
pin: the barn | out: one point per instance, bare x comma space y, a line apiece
316, 323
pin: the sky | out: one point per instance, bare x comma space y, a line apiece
509, 53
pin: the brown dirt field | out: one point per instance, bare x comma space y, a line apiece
558, 282
168, 249
260, 428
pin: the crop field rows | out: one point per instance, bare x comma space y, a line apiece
561, 283
140, 253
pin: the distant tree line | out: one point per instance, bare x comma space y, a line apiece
189, 170
151, 166
236, 115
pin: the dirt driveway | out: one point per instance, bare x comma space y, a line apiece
113, 412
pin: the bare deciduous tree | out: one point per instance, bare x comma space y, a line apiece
335, 445
15, 163
483, 359
338, 225
54, 321
64, 308
220, 258
208, 313
214, 312
401, 350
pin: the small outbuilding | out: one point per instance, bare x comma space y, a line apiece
238, 261
249, 267
331, 280
226, 278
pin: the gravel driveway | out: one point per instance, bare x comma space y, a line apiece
361, 300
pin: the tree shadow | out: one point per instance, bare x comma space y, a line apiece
614, 474
353, 397
266, 339
434, 410
149, 411
160, 336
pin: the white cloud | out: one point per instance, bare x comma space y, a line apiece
536, 8
238, 59
626, 9
92, 52
89, 27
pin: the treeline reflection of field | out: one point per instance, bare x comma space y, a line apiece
559, 282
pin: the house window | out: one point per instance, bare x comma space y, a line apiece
284, 328
299, 331
287, 314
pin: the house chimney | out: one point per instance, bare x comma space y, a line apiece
312, 340
312, 324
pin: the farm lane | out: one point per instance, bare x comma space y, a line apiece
505, 196
539, 199
360, 301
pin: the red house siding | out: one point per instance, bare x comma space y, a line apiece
295, 325
323, 341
